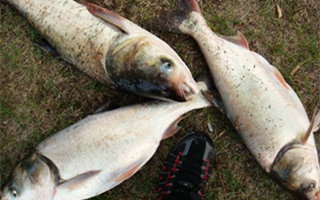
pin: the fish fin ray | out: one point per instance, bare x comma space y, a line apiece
172, 129
189, 6
114, 19
280, 78
314, 125
129, 171
107, 106
239, 39
243, 40
127, 174
47, 48
76, 182
316, 121
171, 21
211, 93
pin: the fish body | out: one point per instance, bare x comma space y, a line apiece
262, 107
110, 48
97, 153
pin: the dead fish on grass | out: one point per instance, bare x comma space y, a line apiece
97, 153
112, 49
263, 108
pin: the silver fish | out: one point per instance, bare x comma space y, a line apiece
97, 153
263, 108
110, 48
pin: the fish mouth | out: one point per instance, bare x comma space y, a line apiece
187, 88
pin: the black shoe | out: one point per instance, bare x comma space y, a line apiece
187, 166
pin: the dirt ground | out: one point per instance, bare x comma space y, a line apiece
41, 95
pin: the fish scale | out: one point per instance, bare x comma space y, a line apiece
92, 39
255, 101
97, 153
262, 107
78, 36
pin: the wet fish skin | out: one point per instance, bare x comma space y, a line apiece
97, 153
263, 108
148, 67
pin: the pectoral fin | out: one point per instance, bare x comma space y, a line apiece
114, 19
47, 48
127, 174
313, 127
78, 181
129, 171
172, 129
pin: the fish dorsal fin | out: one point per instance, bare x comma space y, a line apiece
239, 39
280, 78
114, 19
313, 127
78, 181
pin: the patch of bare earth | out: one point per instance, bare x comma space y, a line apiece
41, 95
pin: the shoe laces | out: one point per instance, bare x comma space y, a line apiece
186, 167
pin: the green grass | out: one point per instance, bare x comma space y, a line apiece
41, 95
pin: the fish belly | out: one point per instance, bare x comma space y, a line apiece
100, 143
261, 105
99, 140
80, 38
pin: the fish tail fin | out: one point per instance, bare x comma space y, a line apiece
211, 93
202, 98
184, 18
197, 101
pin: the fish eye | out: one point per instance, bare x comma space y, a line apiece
309, 188
166, 65
13, 191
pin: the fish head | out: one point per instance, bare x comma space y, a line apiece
30, 180
149, 67
297, 168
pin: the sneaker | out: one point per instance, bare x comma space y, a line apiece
187, 166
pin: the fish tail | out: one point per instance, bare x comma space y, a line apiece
197, 101
201, 98
185, 18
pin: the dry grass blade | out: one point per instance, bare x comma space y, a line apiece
210, 127
222, 183
279, 11
295, 69
221, 133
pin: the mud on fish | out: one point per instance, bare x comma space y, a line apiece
97, 153
110, 48
261, 105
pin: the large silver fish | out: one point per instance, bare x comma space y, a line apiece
110, 48
262, 107
97, 153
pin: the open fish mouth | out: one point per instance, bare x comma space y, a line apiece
187, 89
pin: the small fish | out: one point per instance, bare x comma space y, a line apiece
110, 48
263, 108
97, 153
